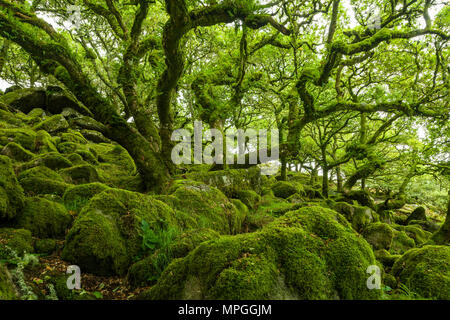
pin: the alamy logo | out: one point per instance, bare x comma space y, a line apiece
237, 143
374, 281
73, 281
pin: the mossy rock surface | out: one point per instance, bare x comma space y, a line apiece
107, 235
208, 206
379, 235
419, 213
311, 253
386, 258
83, 192
52, 160
44, 218
19, 241
84, 173
230, 181
44, 142
17, 152
363, 197
249, 197
41, 180
53, 124
11, 193
285, 189
425, 271
22, 136
7, 288
147, 271
45, 246
26, 99
401, 242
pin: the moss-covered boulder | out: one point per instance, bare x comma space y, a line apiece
230, 181
385, 257
146, 271
53, 124
11, 193
52, 160
83, 192
189, 240
285, 189
25, 99
44, 218
425, 271
7, 288
209, 207
379, 235
249, 197
429, 225
311, 253
84, 173
85, 122
42, 180
44, 142
416, 233
107, 235
15, 242
401, 242
45, 246
363, 197
16, 152
94, 136
419, 213
73, 136
362, 217
22, 136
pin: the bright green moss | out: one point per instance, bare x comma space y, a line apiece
311, 253
67, 147
362, 217
76, 159
249, 197
107, 235
379, 235
401, 243
73, 136
7, 290
94, 243
425, 271
189, 240
230, 181
44, 142
53, 124
52, 160
284, 189
22, 136
19, 240
17, 152
42, 180
83, 192
87, 156
113, 154
363, 197
210, 207
416, 233
146, 271
11, 193
385, 257
84, 173
44, 218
